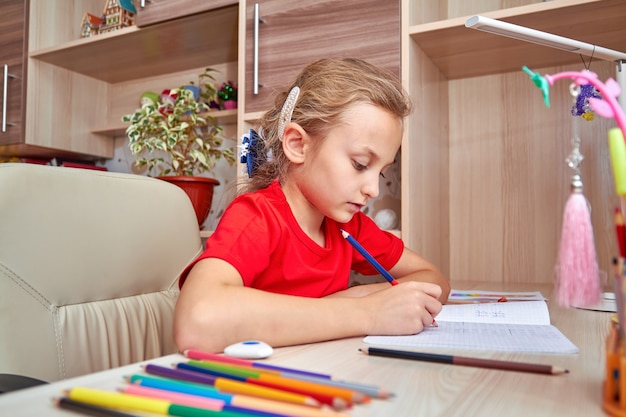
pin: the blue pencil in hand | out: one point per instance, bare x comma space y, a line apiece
369, 257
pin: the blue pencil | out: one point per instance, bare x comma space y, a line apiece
369, 257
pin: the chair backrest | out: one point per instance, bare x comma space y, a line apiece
89, 262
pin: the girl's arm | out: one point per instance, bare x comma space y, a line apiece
410, 267
214, 310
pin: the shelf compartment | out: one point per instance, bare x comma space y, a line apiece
460, 52
132, 53
222, 117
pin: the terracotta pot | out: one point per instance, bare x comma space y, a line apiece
199, 190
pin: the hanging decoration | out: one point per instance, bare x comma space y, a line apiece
577, 274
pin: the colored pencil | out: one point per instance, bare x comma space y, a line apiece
369, 390
338, 398
335, 403
466, 361
620, 232
369, 257
279, 380
118, 400
373, 262
243, 370
197, 354
194, 401
230, 386
88, 409
619, 296
201, 390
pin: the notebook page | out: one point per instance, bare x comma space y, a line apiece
515, 312
483, 337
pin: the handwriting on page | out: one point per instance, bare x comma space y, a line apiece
523, 312
496, 314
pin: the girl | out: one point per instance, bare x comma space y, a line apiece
277, 267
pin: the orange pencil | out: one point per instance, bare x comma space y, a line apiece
612, 362
309, 388
199, 390
220, 362
267, 406
230, 386
337, 398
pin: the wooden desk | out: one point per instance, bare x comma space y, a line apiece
422, 389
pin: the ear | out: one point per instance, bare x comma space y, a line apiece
295, 141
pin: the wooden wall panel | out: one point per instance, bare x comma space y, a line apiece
509, 180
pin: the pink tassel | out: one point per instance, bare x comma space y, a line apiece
578, 282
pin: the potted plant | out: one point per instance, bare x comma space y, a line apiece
227, 95
176, 136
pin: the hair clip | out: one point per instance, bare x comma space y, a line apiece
287, 110
251, 145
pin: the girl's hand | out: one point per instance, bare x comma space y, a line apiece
402, 309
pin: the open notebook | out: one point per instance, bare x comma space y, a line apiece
510, 327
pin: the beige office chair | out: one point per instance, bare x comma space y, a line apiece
89, 262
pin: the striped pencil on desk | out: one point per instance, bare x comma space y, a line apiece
200, 355
200, 390
230, 386
336, 397
371, 391
211, 388
122, 401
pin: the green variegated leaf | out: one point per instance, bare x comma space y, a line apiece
180, 138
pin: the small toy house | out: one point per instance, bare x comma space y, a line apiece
118, 14
90, 25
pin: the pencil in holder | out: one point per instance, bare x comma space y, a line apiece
614, 392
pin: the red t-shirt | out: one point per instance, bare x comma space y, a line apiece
260, 237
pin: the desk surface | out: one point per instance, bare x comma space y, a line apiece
421, 388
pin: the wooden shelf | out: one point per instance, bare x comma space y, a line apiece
460, 52
133, 53
222, 117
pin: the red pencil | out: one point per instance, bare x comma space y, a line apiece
620, 231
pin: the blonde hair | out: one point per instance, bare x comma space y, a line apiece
328, 87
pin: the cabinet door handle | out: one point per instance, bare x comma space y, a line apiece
5, 82
142, 3
255, 56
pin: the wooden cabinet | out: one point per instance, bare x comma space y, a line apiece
157, 11
13, 38
293, 33
56, 106
484, 178
78, 89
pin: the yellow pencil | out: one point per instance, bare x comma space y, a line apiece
118, 400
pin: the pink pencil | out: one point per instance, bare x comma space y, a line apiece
251, 404
175, 397
200, 355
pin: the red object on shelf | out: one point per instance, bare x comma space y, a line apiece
83, 166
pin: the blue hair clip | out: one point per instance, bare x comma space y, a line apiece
251, 147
